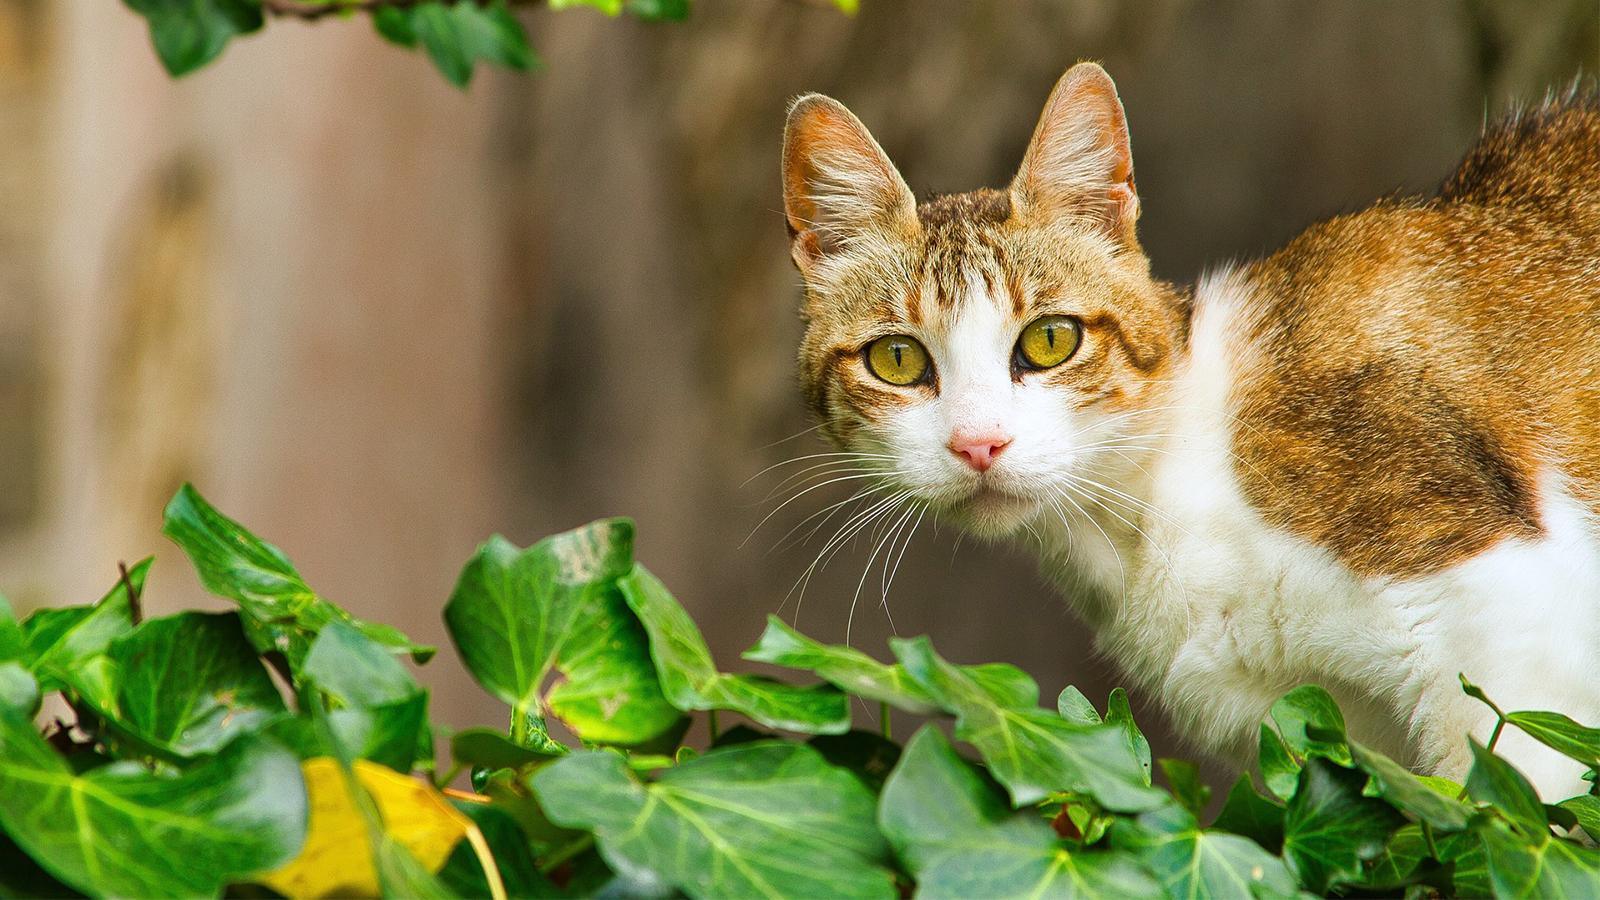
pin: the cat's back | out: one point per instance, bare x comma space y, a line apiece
1413, 380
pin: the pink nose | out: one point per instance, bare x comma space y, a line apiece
978, 450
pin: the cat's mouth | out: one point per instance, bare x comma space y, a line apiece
993, 510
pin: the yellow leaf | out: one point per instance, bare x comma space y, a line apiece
337, 858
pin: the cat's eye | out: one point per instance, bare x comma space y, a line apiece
898, 359
1049, 341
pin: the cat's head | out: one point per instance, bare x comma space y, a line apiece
987, 351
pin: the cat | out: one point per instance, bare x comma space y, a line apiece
1370, 460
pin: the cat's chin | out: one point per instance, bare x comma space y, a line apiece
992, 513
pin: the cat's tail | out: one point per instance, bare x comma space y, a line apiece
1537, 154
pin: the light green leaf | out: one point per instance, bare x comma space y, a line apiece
959, 837
609, 7
856, 673
458, 35
1547, 868
13, 645
1561, 734
280, 611
188, 683
60, 641
767, 819
187, 34
1076, 708
1278, 766
1196, 864
1030, 751
518, 615
19, 692
1493, 780
690, 679
1410, 793
1311, 724
1331, 829
1120, 714
1587, 810
382, 712
120, 830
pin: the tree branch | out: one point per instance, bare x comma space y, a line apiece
312, 10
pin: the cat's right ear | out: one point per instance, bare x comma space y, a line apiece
838, 184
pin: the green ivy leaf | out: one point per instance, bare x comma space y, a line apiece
1184, 778
187, 34
1245, 812
1311, 724
1120, 714
1198, 864
1076, 708
1030, 751
1587, 811
463, 873
60, 641
1330, 829
690, 679
19, 691
1545, 868
281, 612
119, 830
766, 819
383, 712
1561, 734
13, 644
189, 683
1460, 870
659, 10
1278, 766
458, 35
957, 834
1493, 780
857, 673
609, 7
493, 750
518, 615
1408, 792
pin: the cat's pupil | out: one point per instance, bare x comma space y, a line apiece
897, 351
1050, 336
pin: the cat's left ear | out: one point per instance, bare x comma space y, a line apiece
1079, 163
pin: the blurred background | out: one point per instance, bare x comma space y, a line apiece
377, 319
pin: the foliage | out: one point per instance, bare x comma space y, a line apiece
455, 34
286, 747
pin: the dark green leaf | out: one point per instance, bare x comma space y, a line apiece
393, 24
1311, 724
20, 876
281, 612
755, 820
458, 35
189, 683
659, 10
492, 750
1196, 864
1561, 734
1120, 714
1184, 779
381, 714
1408, 792
959, 837
517, 615
690, 679
1331, 829
463, 873
187, 34
869, 755
1030, 751
1460, 870
1544, 868
1246, 812
122, 831
1493, 780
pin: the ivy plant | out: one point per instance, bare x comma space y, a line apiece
455, 34
285, 747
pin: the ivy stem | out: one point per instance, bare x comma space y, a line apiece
883, 716
564, 854
711, 724
1499, 726
1427, 835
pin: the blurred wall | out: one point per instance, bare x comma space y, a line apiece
377, 319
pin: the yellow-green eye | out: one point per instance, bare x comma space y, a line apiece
897, 359
1049, 341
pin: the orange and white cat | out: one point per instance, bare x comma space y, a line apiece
1370, 460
